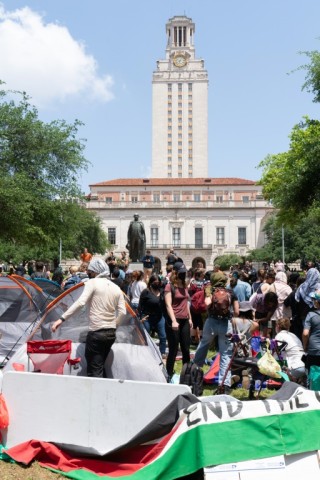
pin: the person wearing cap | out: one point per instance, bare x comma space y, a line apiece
179, 322
219, 327
311, 332
106, 308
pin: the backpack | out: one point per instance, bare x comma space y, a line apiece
73, 280
221, 302
197, 302
192, 375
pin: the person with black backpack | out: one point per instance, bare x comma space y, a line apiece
222, 305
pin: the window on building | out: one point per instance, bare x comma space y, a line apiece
170, 135
190, 97
196, 197
179, 150
169, 144
180, 144
190, 143
190, 112
242, 236
169, 175
220, 236
154, 236
169, 87
108, 199
176, 197
179, 175
156, 198
198, 237
179, 167
189, 135
176, 237
179, 97
245, 199
169, 97
180, 105
134, 199
112, 236
180, 127
179, 112
179, 87
190, 87
169, 151
190, 175
179, 135
169, 127
219, 198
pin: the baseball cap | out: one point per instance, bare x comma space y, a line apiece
180, 267
315, 295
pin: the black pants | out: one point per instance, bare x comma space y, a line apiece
98, 346
174, 337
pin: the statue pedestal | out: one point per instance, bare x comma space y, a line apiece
136, 266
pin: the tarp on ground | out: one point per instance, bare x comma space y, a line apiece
215, 431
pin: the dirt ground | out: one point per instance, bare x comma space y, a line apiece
12, 471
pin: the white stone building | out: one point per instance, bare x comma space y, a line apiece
200, 218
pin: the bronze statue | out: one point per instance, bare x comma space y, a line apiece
136, 239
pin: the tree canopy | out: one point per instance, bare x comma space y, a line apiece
40, 199
290, 179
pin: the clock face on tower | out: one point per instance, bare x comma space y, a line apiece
179, 60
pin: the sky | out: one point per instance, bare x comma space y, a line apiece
93, 60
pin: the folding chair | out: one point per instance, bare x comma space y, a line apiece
50, 356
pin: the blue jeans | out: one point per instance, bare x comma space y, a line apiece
216, 327
159, 327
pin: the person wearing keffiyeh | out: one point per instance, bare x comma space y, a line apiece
106, 308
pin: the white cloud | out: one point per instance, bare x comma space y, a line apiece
45, 61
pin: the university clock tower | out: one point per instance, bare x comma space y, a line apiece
180, 107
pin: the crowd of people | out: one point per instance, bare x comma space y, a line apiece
270, 302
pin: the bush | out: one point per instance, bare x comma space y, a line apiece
225, 261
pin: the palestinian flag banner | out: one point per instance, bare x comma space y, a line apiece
215, 431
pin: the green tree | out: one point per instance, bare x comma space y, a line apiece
225, 261
290, 179
40, 199
312, 83
300, 241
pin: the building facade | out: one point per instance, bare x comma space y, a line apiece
181, 207
200, 218
180, 107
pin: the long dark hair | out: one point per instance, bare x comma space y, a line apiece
174, 279
154, 278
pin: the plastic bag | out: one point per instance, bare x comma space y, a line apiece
268, 365
4, 415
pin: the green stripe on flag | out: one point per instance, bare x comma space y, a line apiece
226, 442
